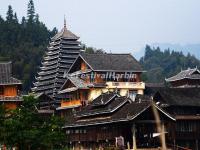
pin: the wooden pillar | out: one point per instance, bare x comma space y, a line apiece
134, 137
197, 144
174, 143
163, 136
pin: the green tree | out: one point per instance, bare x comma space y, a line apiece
163, 64
92, 50
23, 22
26, 129
2, 124
15, 18
31, 12
10, 15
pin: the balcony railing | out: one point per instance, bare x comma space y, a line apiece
132, 85
10, 98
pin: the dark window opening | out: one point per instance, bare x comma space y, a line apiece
1, 90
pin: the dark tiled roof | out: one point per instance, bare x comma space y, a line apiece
113, 105
140, 98
79, 83
185, 74
65, 33
6, 74
112, 62
128, 112
104, 98
76, 81
151, 91
179, 96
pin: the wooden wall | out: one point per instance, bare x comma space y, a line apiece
83, 66
10, 90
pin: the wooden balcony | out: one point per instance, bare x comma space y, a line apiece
10, 98
126, 85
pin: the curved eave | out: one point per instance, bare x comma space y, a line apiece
173, 80
122, 119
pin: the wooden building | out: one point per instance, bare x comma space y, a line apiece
184, 105
185, 78
10, 87
60, 55
94, 74
110, 117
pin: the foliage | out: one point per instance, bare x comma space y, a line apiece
163, 64
26, 129
92, 50
23, 43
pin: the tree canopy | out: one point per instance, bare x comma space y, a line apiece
163, 64
26, 129
24, 42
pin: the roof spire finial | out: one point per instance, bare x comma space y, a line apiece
64, 22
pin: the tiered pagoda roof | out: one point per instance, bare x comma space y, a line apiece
61, 53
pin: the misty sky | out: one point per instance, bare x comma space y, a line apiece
119, 25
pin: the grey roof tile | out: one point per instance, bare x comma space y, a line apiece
185, 74
178, 96
65, 33
6, 74
112, 62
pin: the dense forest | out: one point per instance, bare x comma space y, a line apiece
24, 42
163, 64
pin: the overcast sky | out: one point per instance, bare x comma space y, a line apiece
119, 25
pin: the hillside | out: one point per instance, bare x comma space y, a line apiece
163, 64
23, 42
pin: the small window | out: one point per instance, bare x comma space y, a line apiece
132, 94
76, 131
68, 132
84, 131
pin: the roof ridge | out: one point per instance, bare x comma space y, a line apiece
107, 53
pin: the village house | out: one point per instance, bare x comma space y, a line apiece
10, 87
184, 105
111, 120
93, 74
185, 78
104, 98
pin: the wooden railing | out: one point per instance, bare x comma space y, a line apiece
136, 85
10, 98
